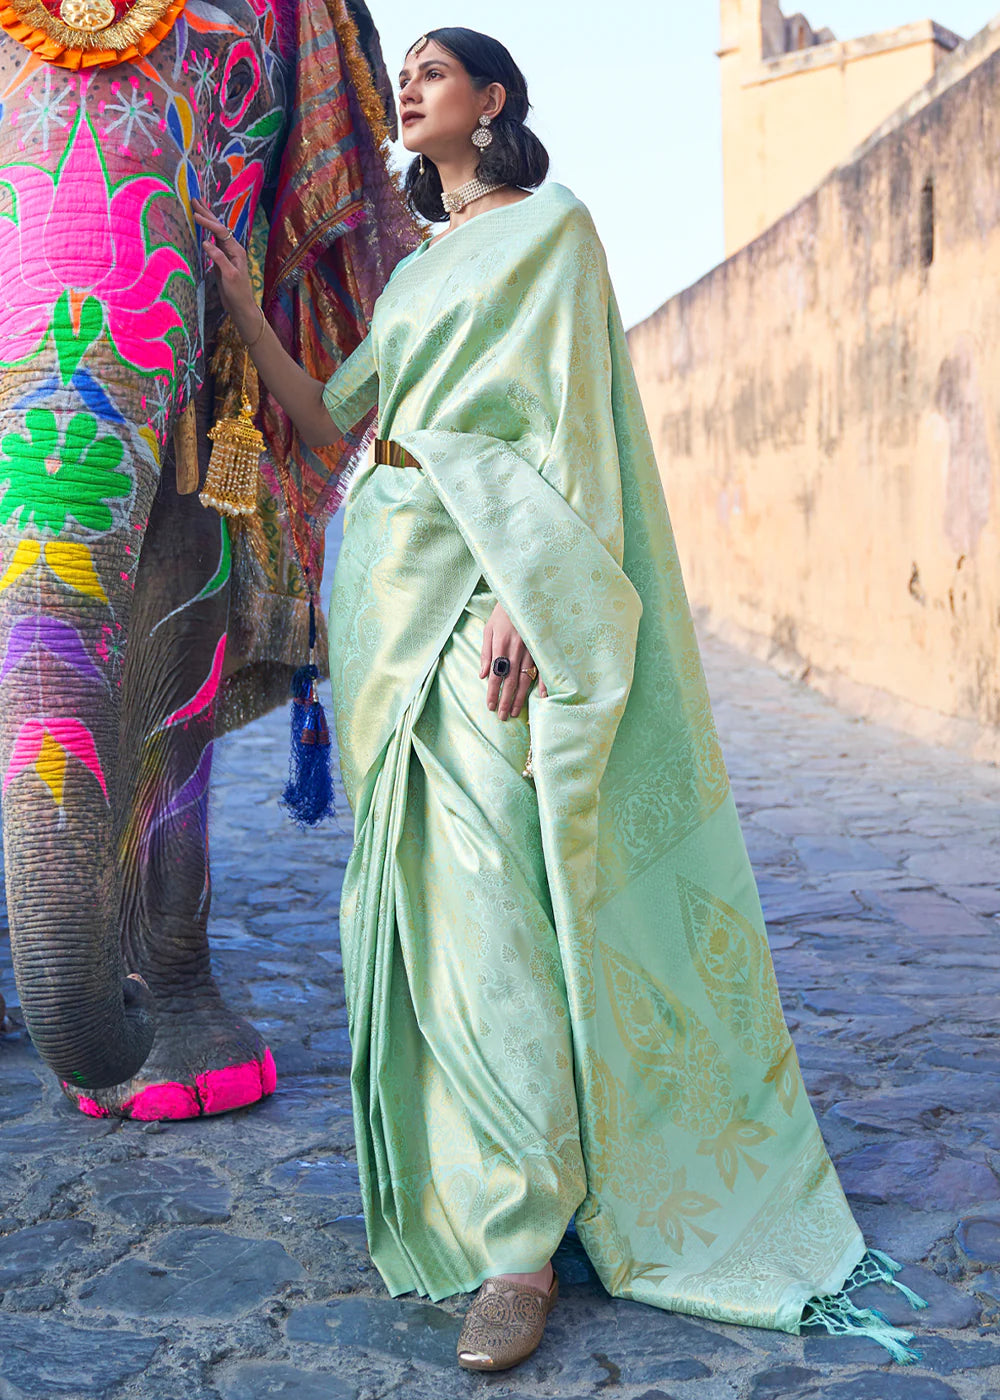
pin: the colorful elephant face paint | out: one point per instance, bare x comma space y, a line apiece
240, 83
98, 249
102, 309
70, 563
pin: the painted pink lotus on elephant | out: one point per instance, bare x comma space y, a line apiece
103, 277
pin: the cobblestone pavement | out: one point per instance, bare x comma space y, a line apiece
224, 1259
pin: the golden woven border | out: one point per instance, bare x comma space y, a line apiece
141, 30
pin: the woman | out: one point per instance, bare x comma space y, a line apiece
560, 992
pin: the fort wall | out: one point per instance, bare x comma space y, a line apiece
795, 102
825, 407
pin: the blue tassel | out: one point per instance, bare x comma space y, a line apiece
308, 795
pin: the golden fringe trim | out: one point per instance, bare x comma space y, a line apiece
373, 110
361, 76
369, 99
49, 38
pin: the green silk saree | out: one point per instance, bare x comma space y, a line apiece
561, 996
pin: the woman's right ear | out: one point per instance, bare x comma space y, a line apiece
498, 100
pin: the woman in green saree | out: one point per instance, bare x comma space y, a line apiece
560, 992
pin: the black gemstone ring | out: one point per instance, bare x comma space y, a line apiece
501, 666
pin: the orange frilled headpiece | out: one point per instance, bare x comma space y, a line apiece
89, 33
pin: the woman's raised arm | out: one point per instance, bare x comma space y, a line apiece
299, 394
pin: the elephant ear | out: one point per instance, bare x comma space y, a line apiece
338, 226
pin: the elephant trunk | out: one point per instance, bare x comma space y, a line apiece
65, 603
93, 1027
91, 1024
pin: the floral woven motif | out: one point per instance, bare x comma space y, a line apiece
89, 33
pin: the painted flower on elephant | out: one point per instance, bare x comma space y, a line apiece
49, 475
243, 190
45, 744
75, 263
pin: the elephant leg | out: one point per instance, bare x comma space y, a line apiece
206, 1057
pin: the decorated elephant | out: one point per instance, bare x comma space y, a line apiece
135, 623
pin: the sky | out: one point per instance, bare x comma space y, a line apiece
625, 97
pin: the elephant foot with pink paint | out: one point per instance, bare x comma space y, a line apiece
168, 1088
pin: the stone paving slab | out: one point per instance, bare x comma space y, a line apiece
225, 1259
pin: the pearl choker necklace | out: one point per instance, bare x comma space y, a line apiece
456, 200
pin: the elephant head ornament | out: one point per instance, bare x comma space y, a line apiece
124, 640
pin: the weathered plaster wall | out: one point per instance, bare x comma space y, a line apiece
790, 115
826, 411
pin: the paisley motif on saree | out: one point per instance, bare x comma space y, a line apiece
490, 930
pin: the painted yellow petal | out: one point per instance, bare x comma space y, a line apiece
50, 765
73, 564
149, 438
25, 555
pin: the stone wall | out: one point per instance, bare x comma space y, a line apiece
826, 411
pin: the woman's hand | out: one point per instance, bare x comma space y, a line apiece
299, 394
230, 259
509, 692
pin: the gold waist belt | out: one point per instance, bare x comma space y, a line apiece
390, 454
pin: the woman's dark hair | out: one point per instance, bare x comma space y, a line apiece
515, 156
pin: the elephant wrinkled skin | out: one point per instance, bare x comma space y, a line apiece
116, 591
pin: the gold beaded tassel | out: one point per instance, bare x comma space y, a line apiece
231, 480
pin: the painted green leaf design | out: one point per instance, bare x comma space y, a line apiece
72, 343
266, 125
51, 476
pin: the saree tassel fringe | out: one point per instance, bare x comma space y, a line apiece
308, 795
838, 1315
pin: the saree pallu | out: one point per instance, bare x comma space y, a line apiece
561, 996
